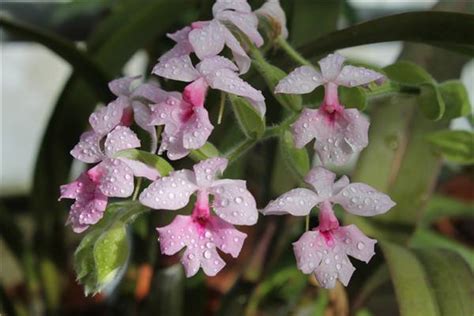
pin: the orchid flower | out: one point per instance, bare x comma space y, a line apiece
127, 108
187, 127
339, 132
208, 38
202, 233
324, 250
272, 10
216, 72
112, 177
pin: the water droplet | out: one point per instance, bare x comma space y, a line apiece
327, 261
360, 245
190, 256
338, 266
171, 195
208, 234
207, 254
238, 200
225, 202
209, 245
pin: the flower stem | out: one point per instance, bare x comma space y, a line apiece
221, 108
307, 223
240, 149
291, 52
137, 189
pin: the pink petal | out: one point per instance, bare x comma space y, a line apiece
200, 242
119, 139
272, 9
351, 76
209, 40
331, 66
301, 80
333, 135
170, 193
195, 92
179, 68
208, 170
141, 170
304, 129
89, 206
197, 130
233, 202
106, 118
121, 86
313, 254
246, 22
297, 202
151, 91
237, 5
238, 53
169, 113
361, 199
142, 115
173, 144
356, 133
321, 180
180, 35
340, 184
355, 243
178, 50
228, 81
88, 149
226, 237
117, 178
308, 251
182, 226
213, 64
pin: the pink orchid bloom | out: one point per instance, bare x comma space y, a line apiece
112, 177
272, 10
216, 72
208, 38
127, 108
339, 132
187, 127
324, 250
202, 233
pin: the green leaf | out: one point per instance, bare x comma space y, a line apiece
408, 73
430, 99
456, 146
429, 281
296, 159
250, 121
90, 70
152, 160
104, 250
431, 102
425, 238
272, 76
205, 152
110, 252
445, 29
353, 97
451, 280
456, 98
442, 206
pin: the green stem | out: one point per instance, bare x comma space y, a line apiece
307, 223
291, 52
221, 108
240, 149
137, 189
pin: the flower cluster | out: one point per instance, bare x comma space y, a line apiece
222, 203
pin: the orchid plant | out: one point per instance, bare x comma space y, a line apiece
219, 55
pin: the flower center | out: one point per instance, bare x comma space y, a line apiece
201, 211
